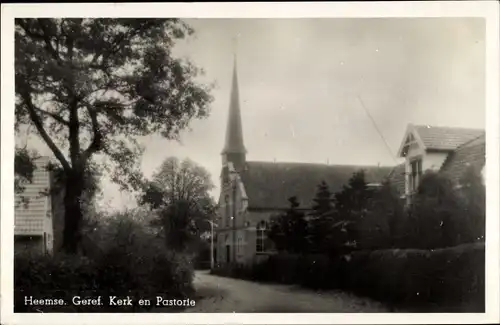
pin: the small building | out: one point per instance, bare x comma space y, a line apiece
38, 215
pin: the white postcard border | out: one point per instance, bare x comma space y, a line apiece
487, 9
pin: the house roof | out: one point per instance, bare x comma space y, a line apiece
445, 138
472, 153
30, 216
269, 185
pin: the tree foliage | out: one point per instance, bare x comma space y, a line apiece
382, 226
436, 213
289, 231
179, 193
92, 86
24, 167
351, 205
321, 218
177, 180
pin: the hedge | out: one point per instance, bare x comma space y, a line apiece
448, 280
442, 278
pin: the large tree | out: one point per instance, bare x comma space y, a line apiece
321, 218
350, 209
179, 192
289, 230
381, 228
92, 86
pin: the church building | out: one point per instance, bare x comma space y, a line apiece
253, 191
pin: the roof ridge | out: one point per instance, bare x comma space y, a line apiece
317, 164
447, 127
468, 142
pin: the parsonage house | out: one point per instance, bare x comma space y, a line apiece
38, 216
252, 191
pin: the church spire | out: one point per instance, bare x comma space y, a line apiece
234, 149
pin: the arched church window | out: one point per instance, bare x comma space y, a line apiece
228, 211
262, 229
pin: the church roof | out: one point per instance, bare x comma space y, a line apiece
234, 131
269, 185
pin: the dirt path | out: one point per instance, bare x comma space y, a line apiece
225, 295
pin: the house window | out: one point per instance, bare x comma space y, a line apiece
415, 174
261, 239
238, 248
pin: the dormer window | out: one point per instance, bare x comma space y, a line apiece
415, 174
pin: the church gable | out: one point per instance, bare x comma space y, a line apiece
268, 185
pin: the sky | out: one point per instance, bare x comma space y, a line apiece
303, 84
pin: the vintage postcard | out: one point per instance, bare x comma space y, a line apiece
253, 163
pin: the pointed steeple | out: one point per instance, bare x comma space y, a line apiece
234, 149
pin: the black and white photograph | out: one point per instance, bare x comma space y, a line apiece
221, 165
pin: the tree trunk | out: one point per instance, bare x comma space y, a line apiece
72, 213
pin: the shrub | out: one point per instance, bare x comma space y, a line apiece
131, 261
51, 277
445, 277
315, 271
233, 270
421, 280
280, 268
458, 275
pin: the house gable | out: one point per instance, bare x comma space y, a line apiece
445, 149
38, 211
412, 144
32, 205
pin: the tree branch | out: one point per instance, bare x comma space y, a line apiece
74, 132
54, 116
96, 143
39, 126
48, 43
